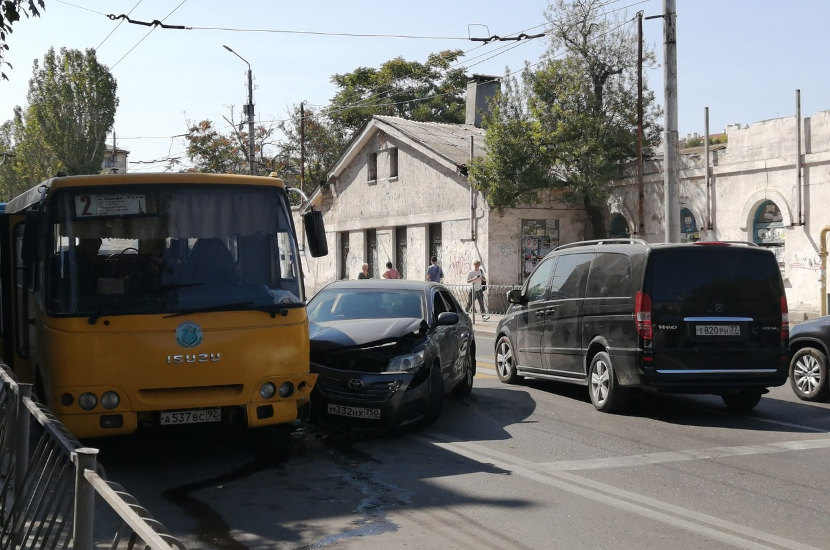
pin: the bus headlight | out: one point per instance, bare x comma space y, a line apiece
286, 389
87, 401
110, 400
267, 390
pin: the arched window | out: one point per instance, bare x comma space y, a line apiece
768, 228
619, 227
688, 226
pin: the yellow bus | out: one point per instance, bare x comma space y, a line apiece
133, 301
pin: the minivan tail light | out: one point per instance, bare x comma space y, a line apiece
785, 320
642, 314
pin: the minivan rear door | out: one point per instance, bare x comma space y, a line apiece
716, 308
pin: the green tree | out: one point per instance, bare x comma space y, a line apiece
73, 100
10, 11
211, 150
323, 144
426, 92
576, 124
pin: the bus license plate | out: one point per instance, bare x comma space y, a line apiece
718, 330
193, 416
354, 412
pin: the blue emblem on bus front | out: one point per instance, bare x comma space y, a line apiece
189, 334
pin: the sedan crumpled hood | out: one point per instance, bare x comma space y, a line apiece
356, 332
363, 344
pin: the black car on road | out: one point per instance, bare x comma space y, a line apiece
809, 345
618, 314
387, 351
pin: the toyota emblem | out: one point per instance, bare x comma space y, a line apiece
355, 384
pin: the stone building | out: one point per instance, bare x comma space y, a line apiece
400, 193
757, 192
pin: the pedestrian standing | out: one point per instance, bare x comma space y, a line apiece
364, 274
476, 278
391, 272
434, 271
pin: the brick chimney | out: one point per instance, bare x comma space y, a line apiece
480, 90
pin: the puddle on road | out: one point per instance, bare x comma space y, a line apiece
353, 468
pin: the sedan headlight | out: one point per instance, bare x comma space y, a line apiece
408, 362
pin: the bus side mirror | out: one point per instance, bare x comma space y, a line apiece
315, 233
31, 237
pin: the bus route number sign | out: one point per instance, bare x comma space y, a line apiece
121, 204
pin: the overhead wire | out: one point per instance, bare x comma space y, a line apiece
115, 28
146, 35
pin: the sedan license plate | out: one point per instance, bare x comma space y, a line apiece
354, 412
193, 416
717, 330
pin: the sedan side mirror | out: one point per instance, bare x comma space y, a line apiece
515, 296
447, 318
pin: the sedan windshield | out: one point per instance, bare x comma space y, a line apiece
334, 304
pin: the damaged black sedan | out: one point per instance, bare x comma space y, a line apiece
387, 352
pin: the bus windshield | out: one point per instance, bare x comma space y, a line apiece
170, 249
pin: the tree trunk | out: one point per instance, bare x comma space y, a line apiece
595, 222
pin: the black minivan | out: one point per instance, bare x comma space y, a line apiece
618, 314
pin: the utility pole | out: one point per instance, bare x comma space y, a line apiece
641, 194
670, 170
249, 110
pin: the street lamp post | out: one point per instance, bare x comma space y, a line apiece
249, 110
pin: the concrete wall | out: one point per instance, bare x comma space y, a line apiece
758, 164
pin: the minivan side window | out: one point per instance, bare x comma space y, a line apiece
537, 284
570, 275
610, 275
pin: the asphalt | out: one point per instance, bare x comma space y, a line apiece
485, 328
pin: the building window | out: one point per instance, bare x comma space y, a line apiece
434, 242
619, 227
393, 162
372, 166
768, 229
688, 227
400, 250
344, 255
372, 252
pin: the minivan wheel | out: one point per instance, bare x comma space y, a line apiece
506, 362
742, 401
606, 393
808, 374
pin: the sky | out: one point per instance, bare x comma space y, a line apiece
743, 59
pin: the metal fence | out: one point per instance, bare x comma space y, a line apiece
495, 296
47, 495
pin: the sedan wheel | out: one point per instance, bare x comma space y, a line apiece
435, 401
505, 362
808, 374
606, 393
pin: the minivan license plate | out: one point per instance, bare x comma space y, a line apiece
193, 416
354, 412
718, 330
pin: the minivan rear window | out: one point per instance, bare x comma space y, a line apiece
689, 273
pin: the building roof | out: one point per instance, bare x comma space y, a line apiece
447, 143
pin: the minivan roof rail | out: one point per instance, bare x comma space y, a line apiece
615, 240
744, 243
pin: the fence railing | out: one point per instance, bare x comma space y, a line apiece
495, 296
47, 496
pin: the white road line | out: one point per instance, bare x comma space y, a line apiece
675, 516
680, 456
